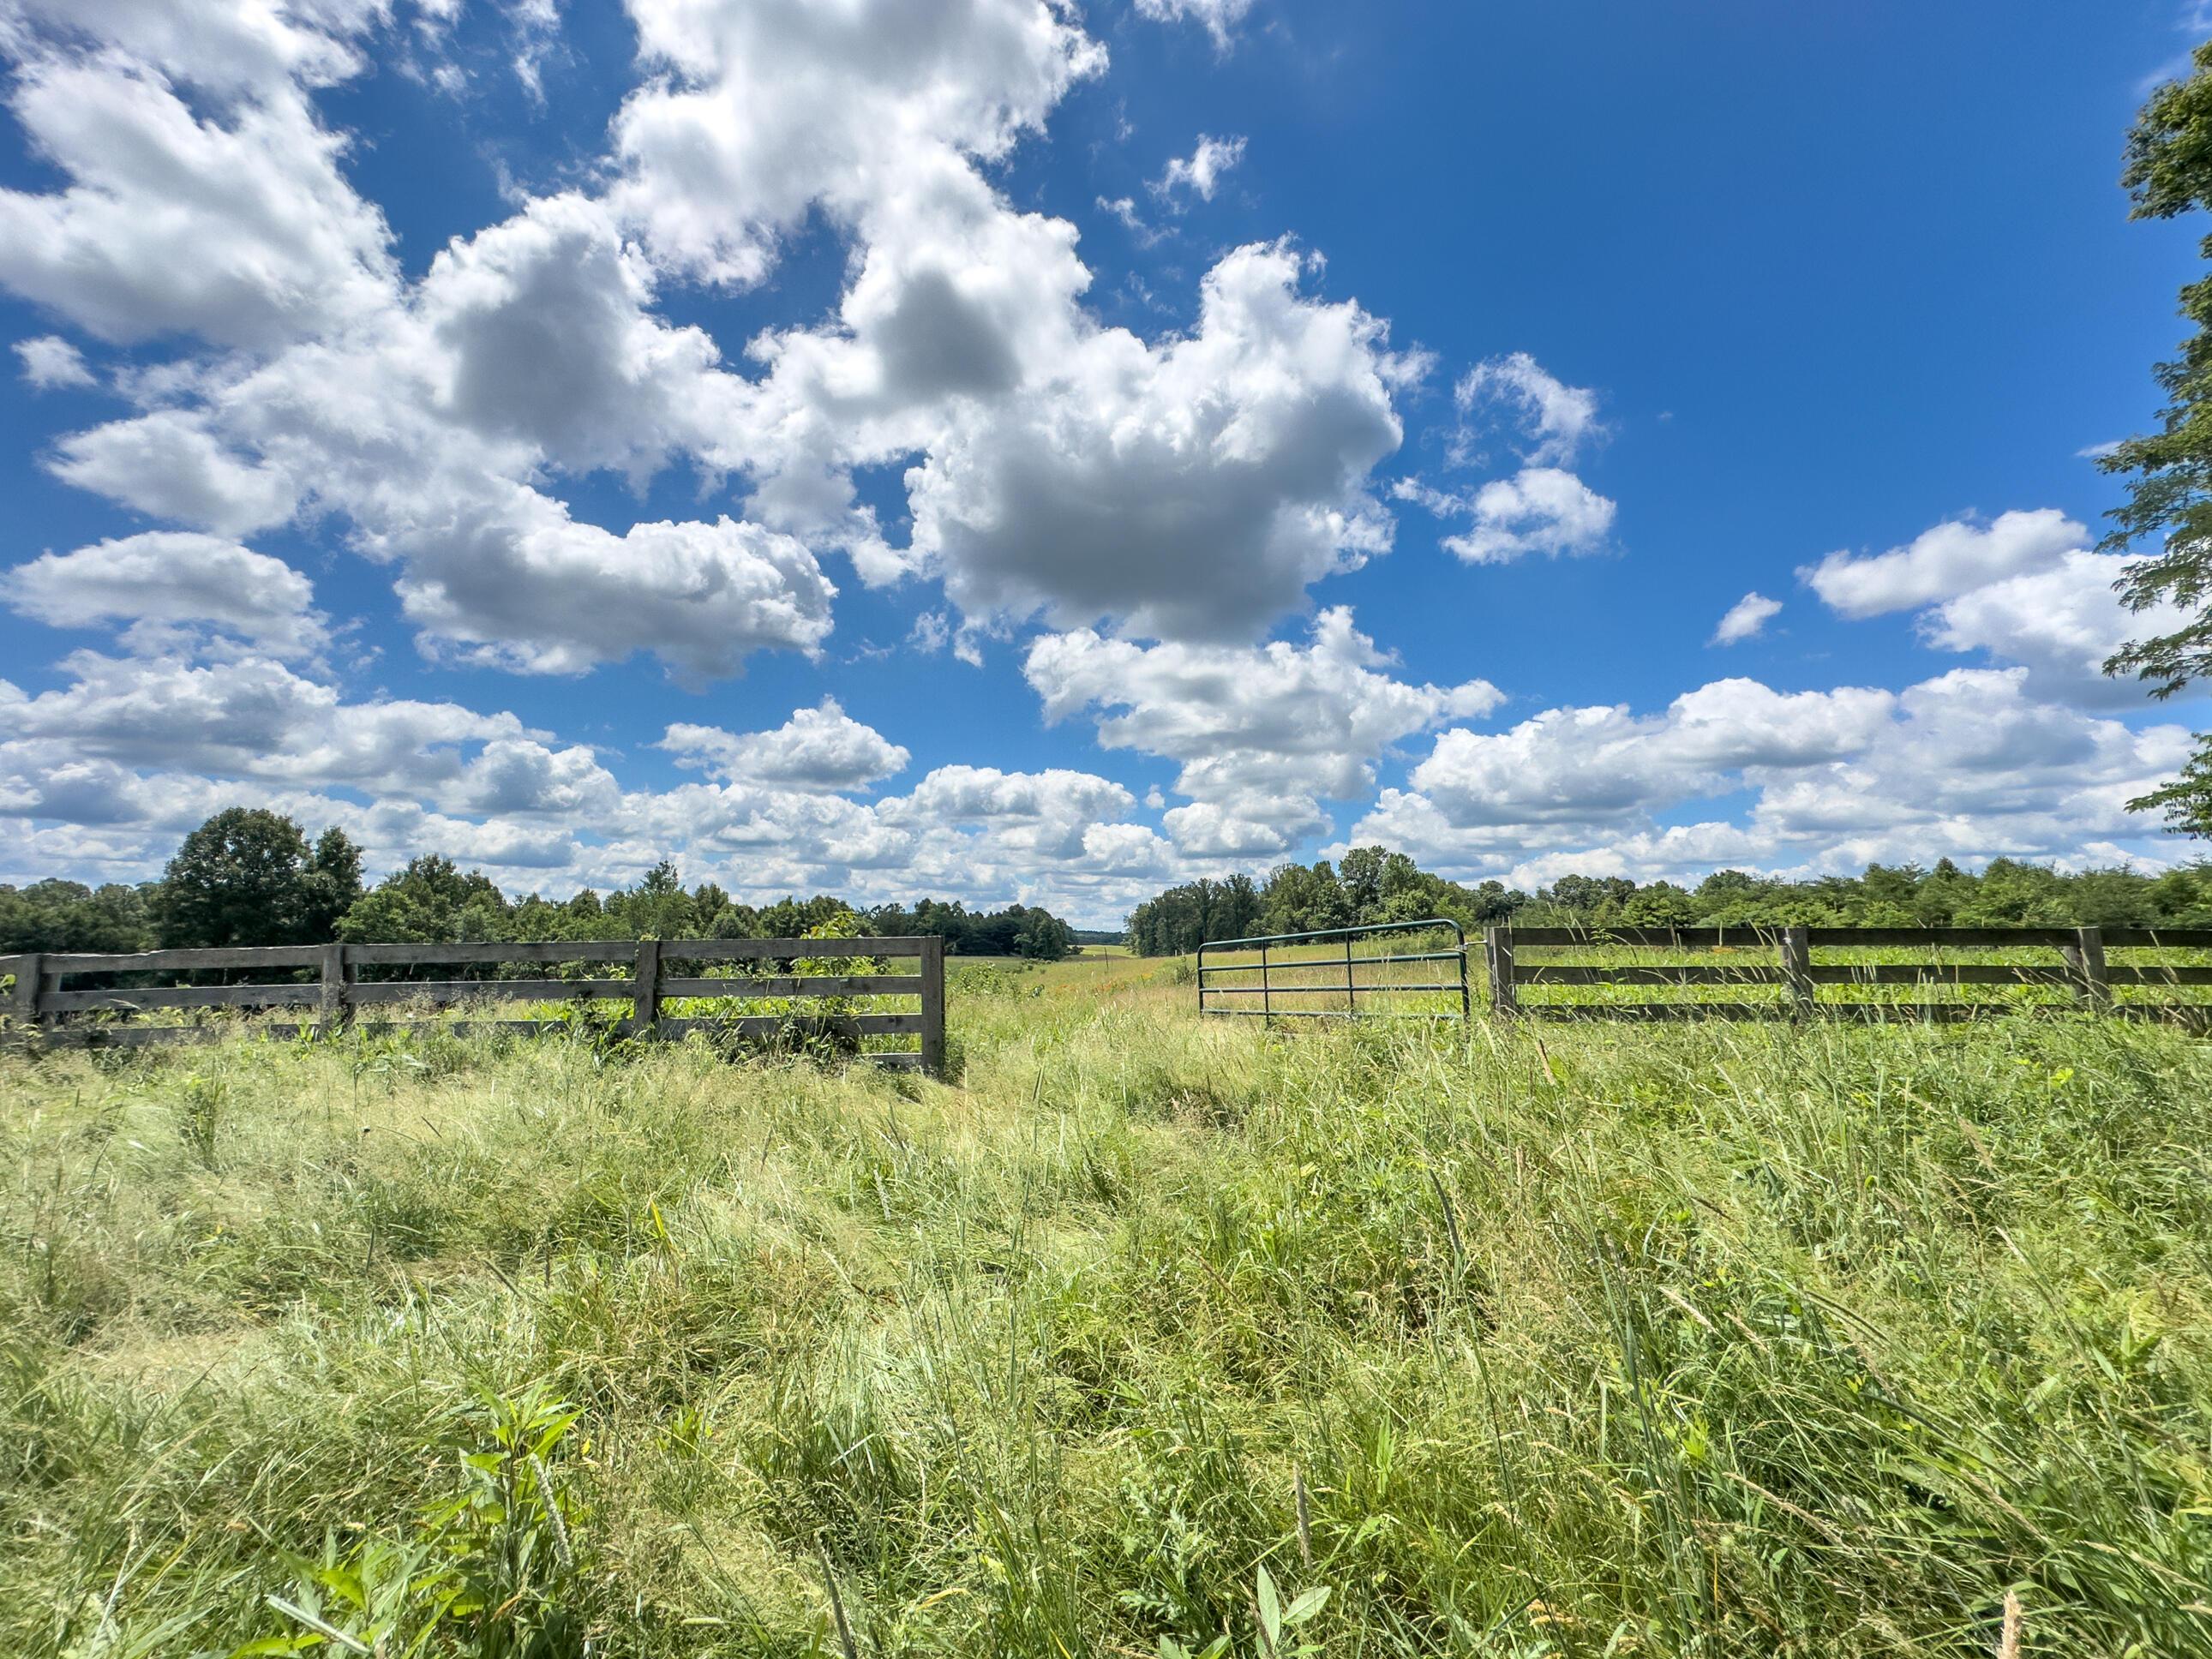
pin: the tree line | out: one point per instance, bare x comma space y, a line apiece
248, 876
1372, 885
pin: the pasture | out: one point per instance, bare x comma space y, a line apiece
1147, 1336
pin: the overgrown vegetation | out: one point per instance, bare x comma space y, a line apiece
1703, 1342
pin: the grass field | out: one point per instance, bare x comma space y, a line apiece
1151, 1334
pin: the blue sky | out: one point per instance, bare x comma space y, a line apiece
1006, 452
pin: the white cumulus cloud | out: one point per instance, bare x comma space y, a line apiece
1541, 509
1969, 765
235, 226
2025, 588
1200, 172
1261, 734
171, 578
1941, 563
1550, 420
1746, 619
49, 362
1220, 18
822, 747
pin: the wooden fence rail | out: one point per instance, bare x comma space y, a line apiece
44, 1006
1793, 981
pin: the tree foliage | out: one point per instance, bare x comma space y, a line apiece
1017, 930
248, 876
1370, 885
428, 903
2169, 506
433, 900
68, 916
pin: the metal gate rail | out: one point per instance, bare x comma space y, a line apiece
1274, 990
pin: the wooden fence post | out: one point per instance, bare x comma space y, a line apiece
337, 988
645, 999
932, 1004
1798, 966
1498, 962
2085, 960
23, 1007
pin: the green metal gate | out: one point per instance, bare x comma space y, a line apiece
1324, 975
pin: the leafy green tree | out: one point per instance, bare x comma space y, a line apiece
67, 916
2185, 803
1381, 886
332, 879
2169, 173
1594, 898
430, 902
657, 908
1661, 904
794, 917
2009, 892
245, 876
1017, 929
1360, 874
716, 915
1305, 899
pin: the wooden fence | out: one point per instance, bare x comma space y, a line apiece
45, 1005
1766, 973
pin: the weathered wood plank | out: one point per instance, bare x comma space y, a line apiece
1796, 952
144, 961
1650, 939
1939, 973
932, 1028
1498, 963
1942, 939
797, 985
336, 985
1930, 1013
1691, 939
753, 950
1704, 973
140, 1036
364, 955
771, 1025
1657, 1011
645, 993
2154, 974
2176, 939
1946, 938
139, 997
446, 993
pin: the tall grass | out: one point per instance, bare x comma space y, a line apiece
1699, 1341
